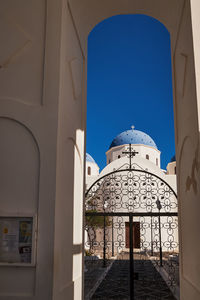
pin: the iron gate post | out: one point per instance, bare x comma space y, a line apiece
159, 206
112, 238
104, 241
131, 257
151, 237
161, 264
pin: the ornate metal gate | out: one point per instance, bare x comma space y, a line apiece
132, 220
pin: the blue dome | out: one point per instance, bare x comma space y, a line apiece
133, 137
89, 158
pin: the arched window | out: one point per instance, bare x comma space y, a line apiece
119, 156
156, 161
89, 171
109, 161
147, 156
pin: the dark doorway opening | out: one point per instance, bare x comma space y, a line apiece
136, 235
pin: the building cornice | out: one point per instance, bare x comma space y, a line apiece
135, 145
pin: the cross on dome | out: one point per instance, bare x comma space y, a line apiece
132, 127
130, 153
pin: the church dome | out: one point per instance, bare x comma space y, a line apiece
133, 136
90, 158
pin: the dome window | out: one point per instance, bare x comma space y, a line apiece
119, 156
147, 156
89, 171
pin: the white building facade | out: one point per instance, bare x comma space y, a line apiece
143, 198
147, 158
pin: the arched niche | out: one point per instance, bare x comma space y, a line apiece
19, 171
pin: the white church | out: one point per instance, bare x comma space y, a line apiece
146, 158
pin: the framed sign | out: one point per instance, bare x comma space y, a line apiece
17, 240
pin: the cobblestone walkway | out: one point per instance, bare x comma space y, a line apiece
148, 284
93, 276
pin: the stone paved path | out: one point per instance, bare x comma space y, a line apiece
93, 276
148, 286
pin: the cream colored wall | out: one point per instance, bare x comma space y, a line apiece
187, 148
70, 165
42, 116
29, 85
89, 13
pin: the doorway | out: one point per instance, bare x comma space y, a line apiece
136, 235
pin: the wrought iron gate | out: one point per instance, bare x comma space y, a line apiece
131, 218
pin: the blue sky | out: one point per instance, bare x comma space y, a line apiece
129, 83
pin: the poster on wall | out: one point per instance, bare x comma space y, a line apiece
16, 239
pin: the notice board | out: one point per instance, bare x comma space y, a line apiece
16, 240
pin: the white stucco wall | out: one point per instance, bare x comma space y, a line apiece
143, 150
94, 169
138, 163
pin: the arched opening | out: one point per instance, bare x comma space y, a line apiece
89, 171
147, 61
130, 90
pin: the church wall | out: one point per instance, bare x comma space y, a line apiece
152, 153
148, 238
89, 181
172, 181
137, 162
113, 153
186, 92
94, 169
117, 152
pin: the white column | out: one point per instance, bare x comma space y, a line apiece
187, 67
